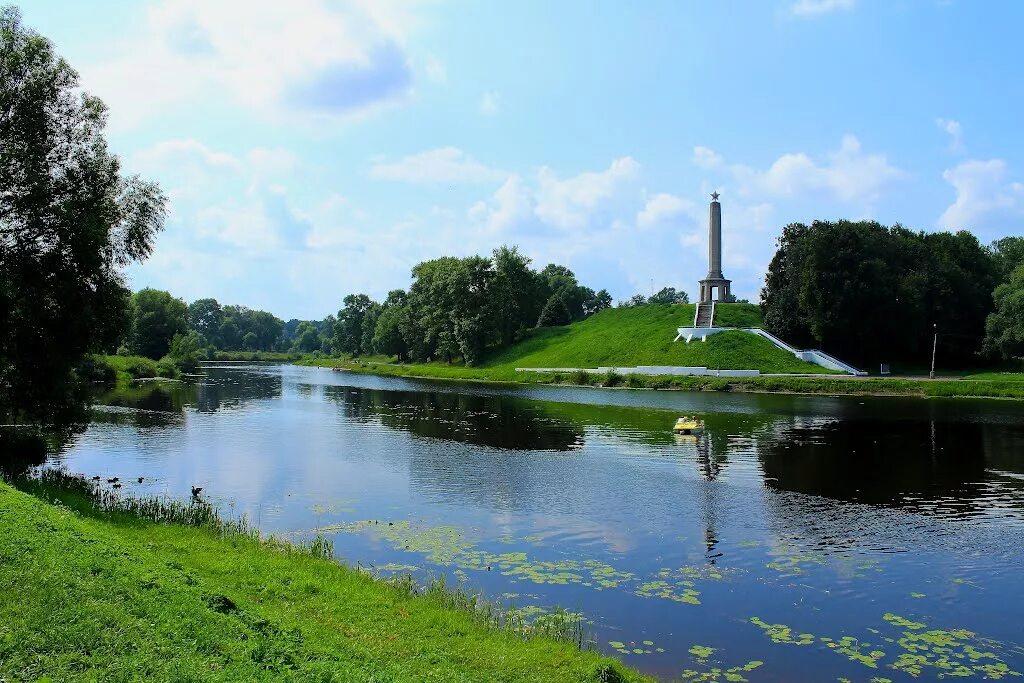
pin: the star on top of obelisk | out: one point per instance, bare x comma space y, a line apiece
714, 196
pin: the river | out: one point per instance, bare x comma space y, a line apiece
800, 538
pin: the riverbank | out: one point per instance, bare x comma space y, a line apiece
106, 594
990, 385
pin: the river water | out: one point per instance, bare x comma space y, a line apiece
800, 538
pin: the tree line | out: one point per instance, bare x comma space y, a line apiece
870, 293
456, 308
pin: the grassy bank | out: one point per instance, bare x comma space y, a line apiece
834, 386
124, 369
104, 593
643, 335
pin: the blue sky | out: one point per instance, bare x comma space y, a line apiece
316, 148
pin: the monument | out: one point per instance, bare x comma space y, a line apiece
714, 279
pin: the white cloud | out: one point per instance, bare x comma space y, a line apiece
704, 157
313, 56
568, 203
847, 174
441, 165
489, 103
955, 131
663, 208
982, 191
808, 8
512, 205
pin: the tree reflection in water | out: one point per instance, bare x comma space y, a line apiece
495, 421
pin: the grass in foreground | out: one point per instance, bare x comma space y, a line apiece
105, 594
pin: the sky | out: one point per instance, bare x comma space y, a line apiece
315, 148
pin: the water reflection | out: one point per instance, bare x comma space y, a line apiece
900, 463
495, 421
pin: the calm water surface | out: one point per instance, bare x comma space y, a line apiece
802, 538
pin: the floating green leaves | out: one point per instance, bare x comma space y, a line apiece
701, 652
445, 545
644, 647
707, 673
941, 652
780, 633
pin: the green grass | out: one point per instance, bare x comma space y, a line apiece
643, 335
103, 593
129, 368
829, 385
996, 376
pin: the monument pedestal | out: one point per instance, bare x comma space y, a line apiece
708, 287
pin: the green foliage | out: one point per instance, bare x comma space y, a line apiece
128, 368
1008, 255
555, 312
669, 295
307, 338
69, 223
205, 316
387, 335
870, 293
348, 331
187, 350
1005, 326
156, 317
202, 598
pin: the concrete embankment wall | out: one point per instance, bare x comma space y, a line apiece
653, 370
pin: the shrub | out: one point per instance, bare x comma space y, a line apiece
580, 377
612, 379
166, 367
635, 380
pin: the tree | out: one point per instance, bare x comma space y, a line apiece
1007, 253
595, 302
156, 317
387, 334
205, 316
669, 295
635, 300
872, 293
449, 303
555, 313
307, 338
1005, 326
187, 350
69, 224
516, 294
369, 327
348, 331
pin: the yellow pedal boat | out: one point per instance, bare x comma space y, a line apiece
688, 425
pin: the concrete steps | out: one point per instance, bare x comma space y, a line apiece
705, 315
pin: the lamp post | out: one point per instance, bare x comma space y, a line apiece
935, 346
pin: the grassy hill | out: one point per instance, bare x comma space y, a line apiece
643, 335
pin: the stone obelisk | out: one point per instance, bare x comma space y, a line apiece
714, 279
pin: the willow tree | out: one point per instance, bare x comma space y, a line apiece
70, 222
